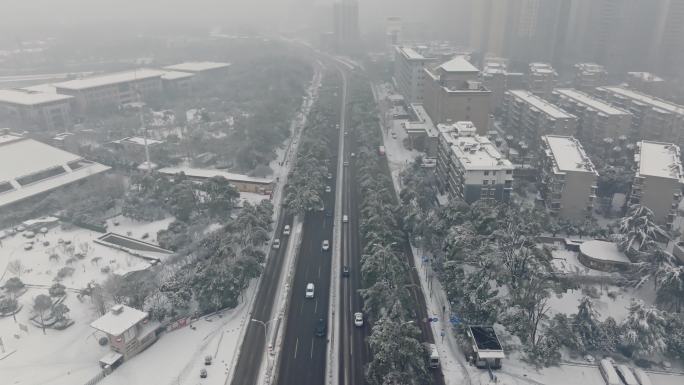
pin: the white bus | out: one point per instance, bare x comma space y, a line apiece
642, 377
434, 356
608, 372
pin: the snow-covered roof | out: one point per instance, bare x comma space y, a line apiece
118, 319
647, 99
29, 157
568, 154
45, 88
197, 66
540, 104
659, 159
645, 76
603, 251
110, 79
138, 140
592, 68
474, 152
30, 98
590, 101
542, 69
458, 64
204, 173
175, 75
410, 54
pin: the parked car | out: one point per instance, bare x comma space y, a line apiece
345, 271
207, 360
286, 230
345, 218
276, 243
358, 319
328, 189
309, 290
326, 245
203, 373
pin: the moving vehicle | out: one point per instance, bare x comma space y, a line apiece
433, 360
626, 375
203, 373
329, 175
286, 230
326, 245
345, 271
608, 372
320, 328
345, 218
328, 189
394, 135
353, 155
358, 319
346, 163
381, 150
207, 360
641, 376
309, 290
276, 243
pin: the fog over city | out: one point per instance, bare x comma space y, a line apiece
341, 192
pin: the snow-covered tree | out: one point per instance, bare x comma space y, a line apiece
639, 230
397, 355
643, 332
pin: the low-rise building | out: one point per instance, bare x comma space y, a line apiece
653, 118
409, 74
243, 183
202, 69
530, 116
658, 179
454, 92
567, 178
470, 167
541, 79
596, 118
647, 83
421, 131
176, 81
589, 76
128, 330
36, 111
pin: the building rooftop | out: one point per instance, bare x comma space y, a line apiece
410, 53
542, 69
46, 88
197, 66
568, 154
590, 101
647, 99
603, 251
30, 98
110, 79
204, 173
645, 76
38, 168
541, 104
473, 151
138, 140
458, 64
659, 159
590, 68
119, 319
175, 75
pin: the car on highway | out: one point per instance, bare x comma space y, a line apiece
345, 218
358, 319
203, 373
276, 243
328, 189
345, 271
353, 154
346, 133
286, 230
309, 290
207, 360
346, 163
326, 245
394, 135
329, 175
320, 328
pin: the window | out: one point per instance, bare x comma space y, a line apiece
485, 182
508, 172
494, 172
493, 182
486, 172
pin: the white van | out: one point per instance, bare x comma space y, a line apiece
345, 218
309, 290
608, 372
641, 376
286, 230
276, 243
434, 356
626, 375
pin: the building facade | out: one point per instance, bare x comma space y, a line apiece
454, 92
36, 111
658, 180
596, 119
567, 179
531, 116
647, 83
496, 78
409, 73
653, 118
541, 79
589, 76
470, 167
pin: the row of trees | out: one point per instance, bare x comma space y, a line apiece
397, 353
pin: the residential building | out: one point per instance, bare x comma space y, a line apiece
596, 119
421, 131
36, 111
470, 167
346, 33
589, 76
201, 69
37, 168
530, 116
653, 118
454, 92
568, 178
409, 73
178, 82
668, 37
647, 83
496, 78
658, 180
112, 90
128, 330
541, 79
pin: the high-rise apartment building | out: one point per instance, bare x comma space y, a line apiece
454, 92
409, 73
647, 83
589, 76
541, 79
658, 180
496, 78
346, 33
596, 119
568, 178
531, 116
470, 167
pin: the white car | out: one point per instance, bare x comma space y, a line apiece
358, 319
326, 245
328, 189
345, 218
276, 243
309, 290
286, 230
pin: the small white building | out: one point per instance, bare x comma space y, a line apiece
129, 331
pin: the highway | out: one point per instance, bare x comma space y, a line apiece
303, 354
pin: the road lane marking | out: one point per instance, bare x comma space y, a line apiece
316, 307
312, 343
319, 272
301, 308
296, 346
